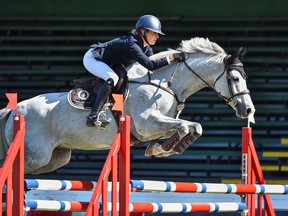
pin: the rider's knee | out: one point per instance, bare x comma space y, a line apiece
114, 77
110, 82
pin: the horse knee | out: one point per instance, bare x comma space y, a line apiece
197, 130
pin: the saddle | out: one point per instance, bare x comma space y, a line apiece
84, 94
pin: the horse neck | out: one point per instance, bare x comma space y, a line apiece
184, 82
187, 83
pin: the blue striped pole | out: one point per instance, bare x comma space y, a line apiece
166, 186
51, 205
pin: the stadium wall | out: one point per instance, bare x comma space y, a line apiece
132, 8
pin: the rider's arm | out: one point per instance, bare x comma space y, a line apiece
144, 60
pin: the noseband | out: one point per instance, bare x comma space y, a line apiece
228, 68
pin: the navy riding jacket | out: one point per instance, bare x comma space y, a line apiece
127, 50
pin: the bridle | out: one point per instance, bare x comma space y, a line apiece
228, 67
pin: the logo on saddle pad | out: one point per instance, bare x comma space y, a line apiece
83, 95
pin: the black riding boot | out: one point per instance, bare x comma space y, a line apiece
102, 97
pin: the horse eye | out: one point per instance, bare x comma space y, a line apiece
235, 79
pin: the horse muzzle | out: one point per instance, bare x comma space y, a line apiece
244, 109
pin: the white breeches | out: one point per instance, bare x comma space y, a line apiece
98, 68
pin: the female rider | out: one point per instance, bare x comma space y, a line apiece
125, 50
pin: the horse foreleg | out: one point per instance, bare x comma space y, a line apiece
184, 143
167, 145
183, 132
161, 150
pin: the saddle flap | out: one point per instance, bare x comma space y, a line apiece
83, 95
85, 82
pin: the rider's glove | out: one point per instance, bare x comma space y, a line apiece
179, 56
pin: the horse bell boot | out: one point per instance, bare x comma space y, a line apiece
93, 119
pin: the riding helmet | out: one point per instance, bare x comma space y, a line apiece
149, 22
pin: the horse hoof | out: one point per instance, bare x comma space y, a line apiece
166, 154
149, 151
153, 149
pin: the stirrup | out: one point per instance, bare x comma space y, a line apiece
99, 124
100, 120
103, 118
102, 124
93, 122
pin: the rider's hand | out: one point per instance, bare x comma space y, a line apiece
178, 56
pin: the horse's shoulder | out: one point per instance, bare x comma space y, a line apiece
136, 71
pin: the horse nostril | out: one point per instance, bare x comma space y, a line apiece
249, 111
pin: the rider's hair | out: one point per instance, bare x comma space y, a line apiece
138, 31
135, 31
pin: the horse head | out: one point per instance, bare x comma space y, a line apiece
232, 85
221, 72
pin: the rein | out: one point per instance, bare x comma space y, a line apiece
181, 105
158, 86
228, 69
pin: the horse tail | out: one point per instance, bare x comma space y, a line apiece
4, 114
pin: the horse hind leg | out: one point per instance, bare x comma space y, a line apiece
59, 158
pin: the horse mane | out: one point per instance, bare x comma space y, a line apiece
203, 45
194, 45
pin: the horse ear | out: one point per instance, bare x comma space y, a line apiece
241, 52
237, 55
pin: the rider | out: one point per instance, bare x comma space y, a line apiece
125, 50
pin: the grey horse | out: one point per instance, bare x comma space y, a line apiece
154, 102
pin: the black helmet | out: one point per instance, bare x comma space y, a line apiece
149, 22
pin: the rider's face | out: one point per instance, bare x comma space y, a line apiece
152, 37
